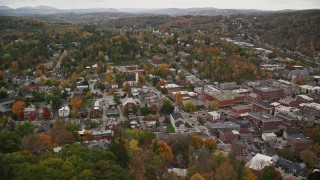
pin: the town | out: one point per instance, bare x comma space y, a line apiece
234, 97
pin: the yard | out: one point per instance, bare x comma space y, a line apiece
88, 103
170, 128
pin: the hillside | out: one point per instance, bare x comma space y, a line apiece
289, 31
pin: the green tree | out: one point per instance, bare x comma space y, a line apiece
24, 128
145, 111
167, 107
9, 142
270, 173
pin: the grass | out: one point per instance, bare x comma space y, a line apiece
170, 128
88, 103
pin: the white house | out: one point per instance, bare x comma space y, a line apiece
259, 161
178, 122
64, 111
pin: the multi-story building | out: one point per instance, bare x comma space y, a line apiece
263, 106
268, 92
265, 121
298, 143
227, 136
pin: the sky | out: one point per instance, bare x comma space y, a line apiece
157, 4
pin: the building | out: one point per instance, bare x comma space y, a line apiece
64, 111
228, 86
114, 85
287, 120
222, 126
298, 143
239, 148
132, 80
269, 137
242, 110
213, 115
129, 102
269, 93
30, 112
112, 110
266, 122
307, 89
227, 136
225, 98
263, 106
178, 122
5, 107
259, 162
96, 110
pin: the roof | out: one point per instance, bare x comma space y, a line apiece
270, 134
178, 171
241, 107
130, 78
264, 117
176, 116
225, 124
267, 88
265, 104
259, 161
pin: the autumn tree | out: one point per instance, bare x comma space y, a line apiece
126, 87
178, 98
270, 172
214, 105
153, 108
226, 171
197, 177
309, 157
15, 65
101, 55
18, 107
190, 107
76, 103
64, 83
249, 175
46, 113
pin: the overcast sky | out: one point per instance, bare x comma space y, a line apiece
229, 4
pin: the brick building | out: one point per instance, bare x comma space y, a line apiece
227, 136
265, 121
238, 147
298, 143
263, 106
268, 92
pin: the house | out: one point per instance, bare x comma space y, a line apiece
178, 122
259, 162
112, 110
79, 92
269, 137
129, 102
30, 112
64, 111
242, 110
228, 86
292, 167
268, 92
96, 110
82, 111
265, 121
179, 172
43, 127
298, 73
5, 107
43, 88
114, 85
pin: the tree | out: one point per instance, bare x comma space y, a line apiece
126, 87
64, 83
144, 111
190, 107
46, 113
249, 175
197, 177
15, 65
18, 107
37, 141
24, 128
3, 93
178, 98
9, 142
89, 95
270, 172
226, 171
309, 157
167, 107
101, 55
76, 103
153, 108
214, 105
64, 137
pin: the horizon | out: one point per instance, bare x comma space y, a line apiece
268, 5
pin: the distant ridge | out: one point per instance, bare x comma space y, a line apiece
209, 11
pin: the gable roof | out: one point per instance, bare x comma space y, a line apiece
176, 116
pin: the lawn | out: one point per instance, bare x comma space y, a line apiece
88, 103
170, 128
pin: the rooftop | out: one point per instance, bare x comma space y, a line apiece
264, 117
267, 88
